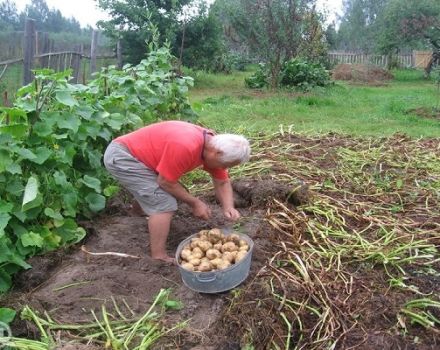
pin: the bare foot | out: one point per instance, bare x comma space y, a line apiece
167, 259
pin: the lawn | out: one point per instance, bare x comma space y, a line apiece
224, 103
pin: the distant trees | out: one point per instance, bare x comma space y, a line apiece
46, 19
358, 28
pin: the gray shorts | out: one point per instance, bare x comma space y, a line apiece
138, 179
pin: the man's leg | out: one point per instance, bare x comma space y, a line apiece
159, 227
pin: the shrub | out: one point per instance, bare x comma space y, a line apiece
257, 80
300, 73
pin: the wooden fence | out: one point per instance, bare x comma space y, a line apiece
416, 59
36, 55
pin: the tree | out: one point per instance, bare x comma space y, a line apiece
37, 10
200, 40
8, 15
274, 30
407, 22
358, 29
131, 21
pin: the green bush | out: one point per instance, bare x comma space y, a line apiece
257, 80
300, 73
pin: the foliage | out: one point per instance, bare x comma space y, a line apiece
406, 22
202, 47
7, 315
51, 145
301, 73
297, 72
274, 31
258, 80
132, 20
358, 29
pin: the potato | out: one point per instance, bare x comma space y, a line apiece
215, 235
229, 247
242, 242
204, 245
229, 256
218, 246
197, 253
204, 266
213, 254
205, 259
240, 255
224, 264
243, 247
194, 242
233, 237
216, 262
185, 254
194, 261
188, 266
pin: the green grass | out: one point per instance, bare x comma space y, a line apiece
223, 103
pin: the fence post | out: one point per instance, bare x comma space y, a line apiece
46, 49
119, 53
29, 50
93, 52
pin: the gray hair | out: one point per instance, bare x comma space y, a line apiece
233, 147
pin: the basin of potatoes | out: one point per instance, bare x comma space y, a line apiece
213, 267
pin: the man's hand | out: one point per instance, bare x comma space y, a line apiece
201, 210
231, 214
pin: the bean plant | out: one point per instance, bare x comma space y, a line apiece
51, 145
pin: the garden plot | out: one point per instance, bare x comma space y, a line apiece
346, 238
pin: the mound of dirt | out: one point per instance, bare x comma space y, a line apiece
361, 73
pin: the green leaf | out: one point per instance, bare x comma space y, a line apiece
85, 111
70, 122
5, 207
42, 154
5, 281
4, 219
173, 305
66, 99
26, 153
53, 214
111, 190
96, 201
17, 131
14, 169
32, 239
60, 178
91, 182
7, 315
18, 260
31, 194
5, 160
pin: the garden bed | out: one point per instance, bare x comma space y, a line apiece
346, 237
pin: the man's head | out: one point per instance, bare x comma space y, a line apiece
226, 150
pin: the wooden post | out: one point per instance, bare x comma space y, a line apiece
119, 53
93, 52
76, 64
29, 50
46, 49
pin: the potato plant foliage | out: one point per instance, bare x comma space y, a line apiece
51, 145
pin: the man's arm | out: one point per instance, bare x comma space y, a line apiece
224, 193
199, 208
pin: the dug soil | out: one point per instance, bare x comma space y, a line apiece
354, 304
361, 73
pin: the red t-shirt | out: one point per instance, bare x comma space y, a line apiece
171, 148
